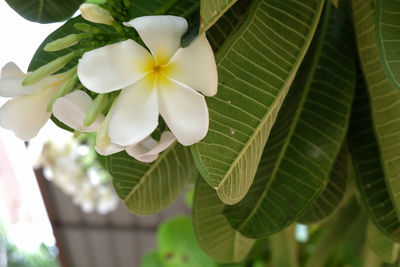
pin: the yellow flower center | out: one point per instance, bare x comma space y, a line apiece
157, 69
157, 72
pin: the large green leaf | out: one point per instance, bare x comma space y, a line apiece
369, 174
214, 234
178, 247
384, 247
331, 198
388, 38
151, 259
256, 68
149, 188
211, 11
384, 99
159, 7
307, 136
45, 11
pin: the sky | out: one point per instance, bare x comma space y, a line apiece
19, 40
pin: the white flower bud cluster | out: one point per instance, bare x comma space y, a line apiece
63, 166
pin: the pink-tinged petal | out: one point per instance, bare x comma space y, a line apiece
148, 149
103, 143
25, 115
147, 159
11, 70
114, 66
139, 151
167, 138
142, 147
72, 108
135, 114
161, 34
194, 66
184, 110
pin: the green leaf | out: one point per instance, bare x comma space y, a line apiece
252, 87
148, 188
211, 11
385, 248
151, 259
178, 8
384, 99
388, 38
373, 190
331, 198
307, 136
214, 234
45, 11
178, 246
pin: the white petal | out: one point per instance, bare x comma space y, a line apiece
135, 114
184, 110
114, 66
148, 149
161, 34
195, 67
11, 79
25, 115
72, 108
103, 144
11, 70
108, 149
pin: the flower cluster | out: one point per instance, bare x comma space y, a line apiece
146, 82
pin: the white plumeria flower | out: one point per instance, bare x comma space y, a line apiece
25, 114
71, 110
164, 81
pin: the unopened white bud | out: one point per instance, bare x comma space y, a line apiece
96, 14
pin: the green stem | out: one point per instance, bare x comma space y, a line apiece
284, 248
66, 88
166, 7
336, 231
98, 105
119, 28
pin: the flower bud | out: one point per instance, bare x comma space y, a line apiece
86, 28
65, 42
98, 105
48, 69
67, 87
96, 14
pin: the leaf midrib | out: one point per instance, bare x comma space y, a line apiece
293, 126
379, 44
40, 11
283, 91
215, 18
